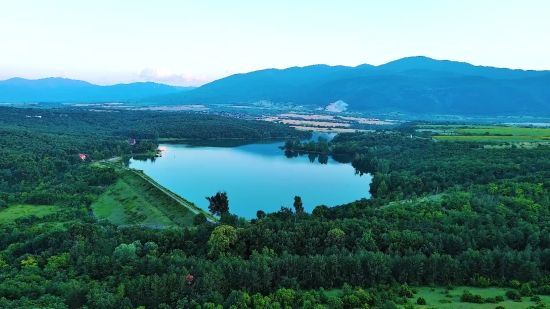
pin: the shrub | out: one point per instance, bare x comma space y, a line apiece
526, 290
468, 297
499, 298
404, 291
445, 301
535, 298
515, 284
408, 305
544, 289
500, 307
199, 219
483, 282
491, 300
513, 295
421, 301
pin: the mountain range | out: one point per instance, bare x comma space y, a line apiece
418, 85
412, 85
55, 89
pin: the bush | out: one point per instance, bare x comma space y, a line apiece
404, 291
199, 219
499, 299
483, 282
515, 284
526, 290
421, 301
445, 301
468, 297
491, 300
500, 307
513, 295
544, 289
535, 298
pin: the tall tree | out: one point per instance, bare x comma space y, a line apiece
219, 204
298, 207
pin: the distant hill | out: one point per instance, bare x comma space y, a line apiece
414, 85
56, 89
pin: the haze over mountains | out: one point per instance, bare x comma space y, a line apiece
418, 85
55, 89
411, 85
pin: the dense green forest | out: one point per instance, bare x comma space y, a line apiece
442, 214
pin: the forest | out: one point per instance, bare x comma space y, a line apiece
443, 215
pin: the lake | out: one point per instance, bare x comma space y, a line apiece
256, 176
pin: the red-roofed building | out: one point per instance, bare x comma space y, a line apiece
132, 141
82, 156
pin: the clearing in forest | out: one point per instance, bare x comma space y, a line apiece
20, 211
133, 200
437, 298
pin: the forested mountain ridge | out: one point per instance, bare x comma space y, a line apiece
414, 85
54, 89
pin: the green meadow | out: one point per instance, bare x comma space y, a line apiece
20, 211
492, 134
132, 200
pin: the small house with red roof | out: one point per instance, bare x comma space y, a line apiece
82, 156
132, 141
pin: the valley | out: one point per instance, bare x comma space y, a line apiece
375, 187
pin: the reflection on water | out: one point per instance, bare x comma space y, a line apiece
257, 176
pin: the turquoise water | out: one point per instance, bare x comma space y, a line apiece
255, 176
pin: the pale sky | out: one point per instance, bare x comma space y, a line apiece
182, 42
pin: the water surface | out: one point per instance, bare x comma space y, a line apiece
255, 176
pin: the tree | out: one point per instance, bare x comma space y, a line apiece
221, 239
321, 211
219, 204
199, 219
336, 236
260, 214
298, 206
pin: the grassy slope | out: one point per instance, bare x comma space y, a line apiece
20, 211
132, 200
432, 298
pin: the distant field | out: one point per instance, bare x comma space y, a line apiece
432, 298
516, 131
484, 133
492, 138
20, 211
132, 200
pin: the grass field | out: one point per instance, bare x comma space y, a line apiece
432, 298
494, 134
20, 211
490, 138
132, 200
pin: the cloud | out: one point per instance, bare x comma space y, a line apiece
165, 76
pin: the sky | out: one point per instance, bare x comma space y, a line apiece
190, 43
